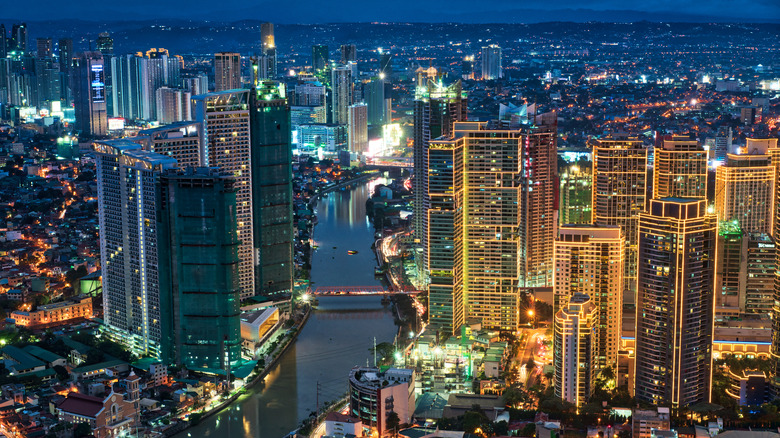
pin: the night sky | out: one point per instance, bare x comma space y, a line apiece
314, 11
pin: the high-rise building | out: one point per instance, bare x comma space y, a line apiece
65, 58
491, 63
589, 260
227, 71
348, 53
385, 64
18, 41
574, 338
3, 42
181, 141
744, 191
576, 192
723, 142
129, 200
226, 137
680, 169
539, 206
198, 255
619, 186
320, 57
44, 48
105, 44
267, 36
173, 105
467, 68
89, 94
313, 138
310, 94
374, 94
744, 272
357, 127
266, 67
342, 86
675, 308
271, 175
436, 108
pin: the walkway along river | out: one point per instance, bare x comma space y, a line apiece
338, 336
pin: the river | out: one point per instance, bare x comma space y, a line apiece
337, 337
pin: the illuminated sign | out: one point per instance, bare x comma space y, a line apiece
97, 83
116, 124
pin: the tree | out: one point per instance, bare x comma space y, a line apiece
82, 430
393, 422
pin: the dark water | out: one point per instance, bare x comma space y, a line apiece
337, 337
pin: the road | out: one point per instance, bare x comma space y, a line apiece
535, 349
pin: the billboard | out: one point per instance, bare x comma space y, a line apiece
97, 83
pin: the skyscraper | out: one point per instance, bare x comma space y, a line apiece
539, 206
226, 137
89, 94
342, 86
589, 260
491, 63
436, 108
18, 38
744, 271
129, 200
65, 58
675, 290
3, 42
105, 44
574, 339
576, 193
358, 128
680, 169
723, 142
271, 176
44, 48
619, 186
348, 53
320, 58
267, 65
227, 71
181, 141
385, 64
173, 105
374, 95
744, 191
199, 261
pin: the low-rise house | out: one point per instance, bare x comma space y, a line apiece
108, 416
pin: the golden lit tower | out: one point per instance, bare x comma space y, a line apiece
619, 185
589, 260
574, 340
675, 302
744, 191
680, 170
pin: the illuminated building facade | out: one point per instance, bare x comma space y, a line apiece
181, 141
680, 170
675, 308
744, 191
348, 53
225, 117
589, 260
342, 87
227, 71
267, 68
271, 196
89, 93
744, 274
436, 108
619, 185
357, 127
326, 137
491, 63
574, 349
129, 199
444, 253
173, 105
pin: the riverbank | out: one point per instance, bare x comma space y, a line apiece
254, 381
327, 189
